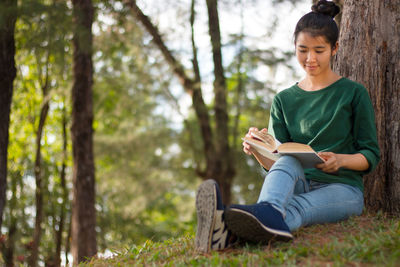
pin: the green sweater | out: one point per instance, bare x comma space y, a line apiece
338, 118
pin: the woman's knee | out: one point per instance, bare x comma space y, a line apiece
289, 165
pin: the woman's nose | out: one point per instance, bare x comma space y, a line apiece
310, 56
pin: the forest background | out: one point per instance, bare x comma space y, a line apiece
146, 141
149, 138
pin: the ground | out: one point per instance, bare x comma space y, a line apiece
367, 240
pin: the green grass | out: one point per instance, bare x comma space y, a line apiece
369, 240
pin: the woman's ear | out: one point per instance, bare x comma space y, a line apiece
335, 49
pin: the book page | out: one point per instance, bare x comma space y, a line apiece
294, 147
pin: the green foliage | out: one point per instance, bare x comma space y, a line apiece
366, 240
42, 61
140, 193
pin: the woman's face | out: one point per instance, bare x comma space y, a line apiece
314, 53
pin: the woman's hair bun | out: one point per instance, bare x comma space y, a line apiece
328, 8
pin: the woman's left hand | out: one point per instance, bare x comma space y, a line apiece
332, 162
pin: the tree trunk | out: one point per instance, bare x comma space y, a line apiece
83, 204
64, 188
68, 242
39, 176
9, 249
369, 54
39, 188
8, 246
8, 17
225, 171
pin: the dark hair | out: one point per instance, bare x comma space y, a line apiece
320, 22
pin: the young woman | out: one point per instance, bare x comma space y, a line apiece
333, 115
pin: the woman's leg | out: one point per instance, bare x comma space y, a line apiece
285, 179
328, 203
265, 220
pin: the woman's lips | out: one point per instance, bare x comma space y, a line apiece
311, 67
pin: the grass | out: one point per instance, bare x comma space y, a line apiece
368, 240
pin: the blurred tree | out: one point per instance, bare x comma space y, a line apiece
42, 46
8, 17
16, 228
369, 53
136, 139
44, 83
8, 244
216, 151
83, 205
60, 227
216, 147
216, 133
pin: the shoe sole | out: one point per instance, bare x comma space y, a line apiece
206, 206
248, 227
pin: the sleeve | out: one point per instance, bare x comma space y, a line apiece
277, 125
364, 129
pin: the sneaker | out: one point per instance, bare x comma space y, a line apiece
212, 233
258, 223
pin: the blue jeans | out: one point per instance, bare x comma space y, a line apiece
303, 202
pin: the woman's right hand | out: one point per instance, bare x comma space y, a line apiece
246, 147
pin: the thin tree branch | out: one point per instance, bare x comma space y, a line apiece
157, 39
191, 86
239, 87
194, 48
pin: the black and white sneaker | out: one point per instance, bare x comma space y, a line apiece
212, 233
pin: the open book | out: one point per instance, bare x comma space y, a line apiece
269, 147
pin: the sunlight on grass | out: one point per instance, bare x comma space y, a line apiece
365, 240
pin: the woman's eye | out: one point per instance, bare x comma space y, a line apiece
319, 52
302, 51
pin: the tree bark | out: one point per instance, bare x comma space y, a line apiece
83, 205
369, 54
8, 17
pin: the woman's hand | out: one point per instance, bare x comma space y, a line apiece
246, 147
264, 161
332, 162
